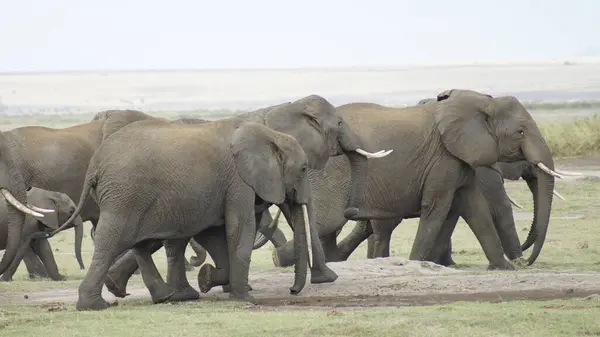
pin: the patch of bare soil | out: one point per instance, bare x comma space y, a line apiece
390, 281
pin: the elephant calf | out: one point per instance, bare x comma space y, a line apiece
56, 207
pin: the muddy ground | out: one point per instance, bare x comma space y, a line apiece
392, 281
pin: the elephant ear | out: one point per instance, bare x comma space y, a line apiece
259, 161
462, 118
117, 119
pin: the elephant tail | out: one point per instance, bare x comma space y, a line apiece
90, 182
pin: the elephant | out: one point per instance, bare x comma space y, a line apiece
437, 148
490, 180
57, 159
148, 192
14, 190
322, 133
58, 207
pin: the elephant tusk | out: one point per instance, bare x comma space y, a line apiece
558, 195
513, 202
39, 209
379, 154
549, 171
567, 173
308, 238
17, 204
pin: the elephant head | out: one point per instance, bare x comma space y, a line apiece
13, 189
322, 132
482, 130
63, 208
275, 166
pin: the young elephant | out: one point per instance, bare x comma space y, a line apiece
158, 181
56, 207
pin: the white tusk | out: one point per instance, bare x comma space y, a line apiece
513, 202
308, 238
567, 173
558, 195
379, 154
18, 205
39, 209
549, 171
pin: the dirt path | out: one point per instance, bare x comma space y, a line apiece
385, 282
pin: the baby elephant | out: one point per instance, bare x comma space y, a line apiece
57, 208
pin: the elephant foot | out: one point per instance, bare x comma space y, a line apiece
5, 278
242, 297
197, 261
520, 262
504, 266
161, 293
186, 293
204, 278
59, 278
116, 287
282, 257
322, 276
94, 304
227, 288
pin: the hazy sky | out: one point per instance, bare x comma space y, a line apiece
151, 34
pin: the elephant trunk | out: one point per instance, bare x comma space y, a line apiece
537, 152
78, 239
531, 236
294, 214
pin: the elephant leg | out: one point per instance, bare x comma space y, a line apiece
214, 239
121, 271
477, 214
361, 231
442, 253
110, 241
330, 248
43, 249
159, 290
200, 257
382, 232
176, 276
435, 206
14, 265
35, 267
371, 246
240, 226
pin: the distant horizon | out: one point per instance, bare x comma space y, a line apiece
364, 67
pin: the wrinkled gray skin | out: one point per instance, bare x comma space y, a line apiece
431, 172
13, 185
491, 184
149, 192
314, 123
63, 208
57, 159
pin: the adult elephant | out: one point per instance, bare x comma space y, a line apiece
491, 183
149, 192
13, 189
58, 207
436, 149
322, 133
57, 159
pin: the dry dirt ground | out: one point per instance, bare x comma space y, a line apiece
390, 281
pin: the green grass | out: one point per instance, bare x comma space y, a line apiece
554, 318
574, 138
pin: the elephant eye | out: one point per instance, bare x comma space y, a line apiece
521, 132
340, 124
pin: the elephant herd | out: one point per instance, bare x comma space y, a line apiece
155, 182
